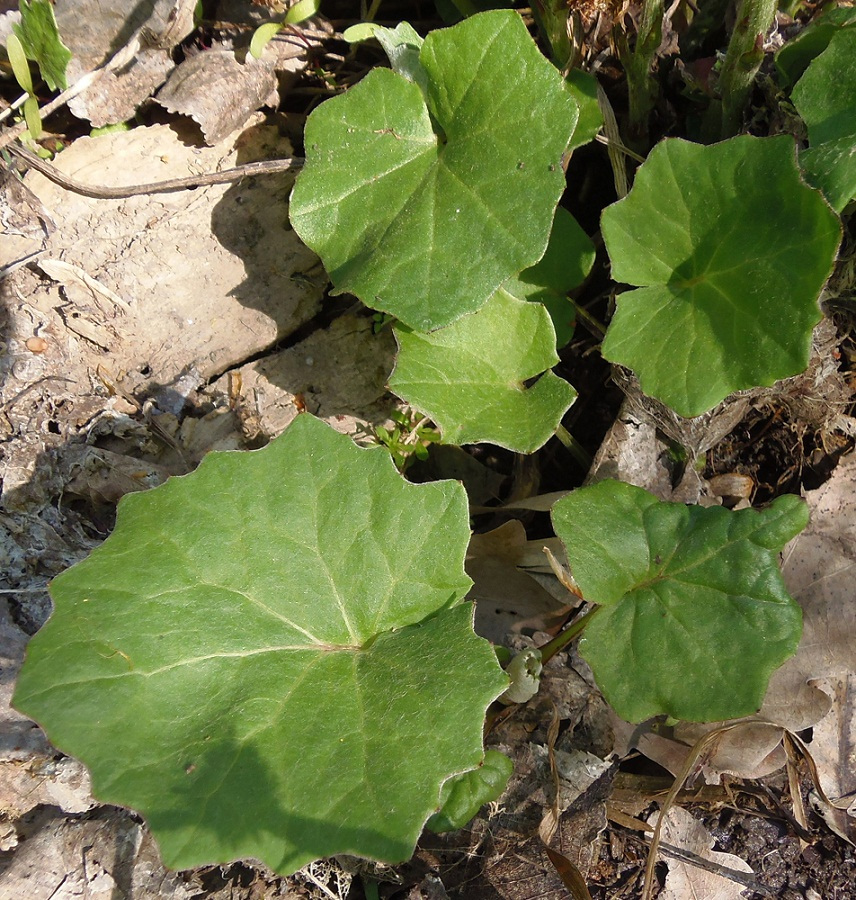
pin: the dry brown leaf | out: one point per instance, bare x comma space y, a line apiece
95, 29
833, 749
681, 830
819, 568
507, 599
219, 93
115, 95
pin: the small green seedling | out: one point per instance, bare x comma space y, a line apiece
302, 10
408, 439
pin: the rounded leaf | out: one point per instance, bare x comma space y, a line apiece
423, 204
730, 250
694, 613
269, 657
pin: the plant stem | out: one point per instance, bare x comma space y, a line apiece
372, 11
641, 90
561, 640
591, 322
577, 451
742, 59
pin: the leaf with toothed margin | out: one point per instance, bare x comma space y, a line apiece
270, 657
422, 204
730, 250
693, 612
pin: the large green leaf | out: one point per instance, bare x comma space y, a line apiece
269, 658
825, 97
423, 206
730, 249
470, 376
695, 615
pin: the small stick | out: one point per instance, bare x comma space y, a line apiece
265, 167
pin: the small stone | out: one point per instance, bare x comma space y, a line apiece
36, 344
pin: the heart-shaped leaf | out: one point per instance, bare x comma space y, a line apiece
825, 97
694, 613
269, 658
470, 376
422, 205
731, 250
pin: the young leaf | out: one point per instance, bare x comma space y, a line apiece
731, 250
21, 71
402, 46
301, 11
464, 795
40, 39
18, 61
33, 117
694, 613
362, 31
470, 376
565, 264
262, 36
269, 658
825, 97
421, 206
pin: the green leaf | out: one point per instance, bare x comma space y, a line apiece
470, 377
464, 795
695, 615
731, 250
794, 57
262, 36
403, 45
420, 210
566, 264
582, 86
825, 97
270, 658
18, 61
33, 118
360, 32
40, 38
301, 11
